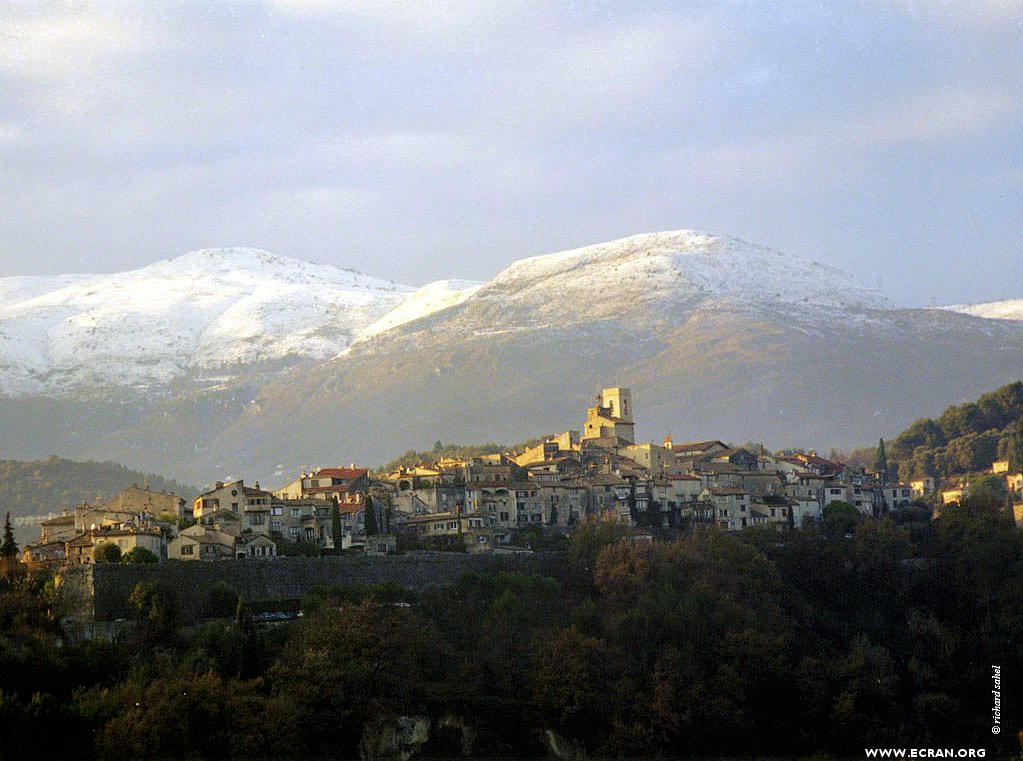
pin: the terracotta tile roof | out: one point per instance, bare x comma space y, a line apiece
344, 474
704, 445
60, 520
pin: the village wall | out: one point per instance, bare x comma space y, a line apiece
279, 579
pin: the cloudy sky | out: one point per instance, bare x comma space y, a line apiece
421, 140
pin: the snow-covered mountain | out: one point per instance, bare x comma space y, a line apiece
683, 265
1009, 309
211, 315
431, 298
207, 314
265, 363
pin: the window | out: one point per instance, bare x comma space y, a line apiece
257, 519
296, 513
187, 549
293, 532
504, 516
276, 510
275, 525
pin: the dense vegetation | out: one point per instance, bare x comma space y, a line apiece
965, 438
46, 486
715, 645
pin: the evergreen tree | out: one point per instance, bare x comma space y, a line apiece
9, 548
881, 463
1014, 448
335, 524
370, 518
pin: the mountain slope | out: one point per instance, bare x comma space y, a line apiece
32, 491
1009, 309
717, 338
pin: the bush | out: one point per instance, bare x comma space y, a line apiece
221, 601
108, 552
139, 555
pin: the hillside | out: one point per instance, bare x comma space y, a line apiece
33, 490
965, 438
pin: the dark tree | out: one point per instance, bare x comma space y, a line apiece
335, 525
1013, 447
108, 552
139, 555
9, 548
881, 463
370, 518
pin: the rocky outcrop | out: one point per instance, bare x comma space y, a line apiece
394, 738
561, 747
398, 738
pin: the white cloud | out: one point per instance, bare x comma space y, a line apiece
423, 20
958, 14
830, 153
617, 75
937, 117
10, 135
53, 46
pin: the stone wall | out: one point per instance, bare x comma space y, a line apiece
277, 579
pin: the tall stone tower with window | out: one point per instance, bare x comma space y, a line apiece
611, 416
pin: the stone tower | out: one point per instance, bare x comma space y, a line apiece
611, 416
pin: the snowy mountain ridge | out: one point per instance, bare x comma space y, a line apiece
1008, 309
211, 314
685, 264
197, 312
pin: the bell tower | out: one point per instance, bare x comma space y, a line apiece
619, 403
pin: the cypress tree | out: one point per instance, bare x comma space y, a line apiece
370, 518
9, 548
335, 524
881, 463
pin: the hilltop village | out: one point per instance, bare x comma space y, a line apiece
491, 503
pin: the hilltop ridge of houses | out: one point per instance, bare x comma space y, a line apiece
483, 503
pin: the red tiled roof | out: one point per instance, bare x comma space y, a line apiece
345, 474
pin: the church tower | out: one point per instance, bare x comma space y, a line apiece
611, 416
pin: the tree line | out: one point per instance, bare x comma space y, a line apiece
714, 645
965, 438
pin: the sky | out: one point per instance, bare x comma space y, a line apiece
426, 140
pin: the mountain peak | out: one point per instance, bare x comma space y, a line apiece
690, 264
